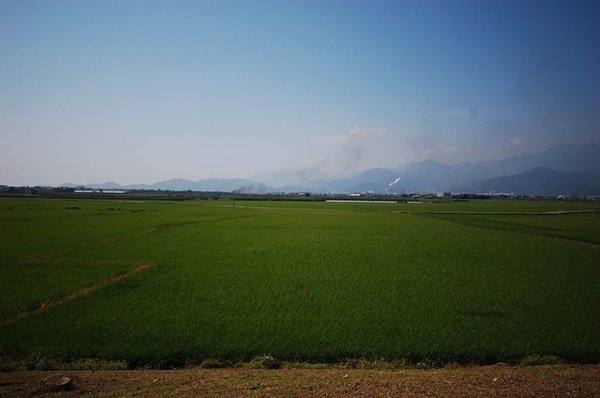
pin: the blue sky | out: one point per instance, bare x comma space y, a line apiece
143, 91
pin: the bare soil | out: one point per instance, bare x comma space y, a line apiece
473, 381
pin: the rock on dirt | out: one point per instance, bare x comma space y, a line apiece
58, 382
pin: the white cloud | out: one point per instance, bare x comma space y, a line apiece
353, 136
456, 150
351, 150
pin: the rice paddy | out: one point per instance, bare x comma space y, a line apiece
168, 284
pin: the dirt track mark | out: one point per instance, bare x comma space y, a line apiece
542, 234
53, 302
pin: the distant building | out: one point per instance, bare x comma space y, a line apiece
109, 191
113, 191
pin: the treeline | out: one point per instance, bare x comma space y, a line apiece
151, 194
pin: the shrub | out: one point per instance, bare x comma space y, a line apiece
213, 364
37, 360
264, 362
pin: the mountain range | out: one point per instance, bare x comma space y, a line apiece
561, 169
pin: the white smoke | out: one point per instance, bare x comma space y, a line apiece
395, 182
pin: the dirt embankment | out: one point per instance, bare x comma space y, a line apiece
476, 381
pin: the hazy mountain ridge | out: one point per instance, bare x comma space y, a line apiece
178, 184
575, 170
541, 181
561, 169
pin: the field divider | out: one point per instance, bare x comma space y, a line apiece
53, 302
541, 234
514, 213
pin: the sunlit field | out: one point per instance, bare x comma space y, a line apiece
168, 284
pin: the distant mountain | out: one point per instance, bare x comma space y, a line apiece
564, 158
561, 169
429, 174
228, 185
104, 185
175, 184
541, 181
375, 180
180, 184
290, 177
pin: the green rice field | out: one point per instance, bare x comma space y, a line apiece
168, 284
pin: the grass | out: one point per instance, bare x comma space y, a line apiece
300, 282
580, 227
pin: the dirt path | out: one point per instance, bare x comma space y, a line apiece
78, 293
476, 381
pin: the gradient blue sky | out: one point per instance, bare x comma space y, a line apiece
143, 91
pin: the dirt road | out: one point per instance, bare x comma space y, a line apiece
474, 381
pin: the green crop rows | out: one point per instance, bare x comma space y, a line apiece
173, 283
